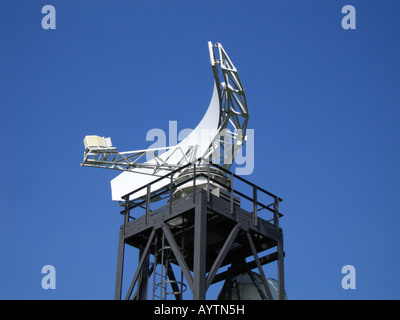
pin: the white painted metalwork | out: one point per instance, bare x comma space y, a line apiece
217, 138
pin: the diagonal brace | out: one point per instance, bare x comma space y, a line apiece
222, 254
139, 268
260, 269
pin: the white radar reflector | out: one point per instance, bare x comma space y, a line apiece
219, 136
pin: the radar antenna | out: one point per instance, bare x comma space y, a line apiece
217, 138
193, 216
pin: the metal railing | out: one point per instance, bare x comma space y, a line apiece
167, 191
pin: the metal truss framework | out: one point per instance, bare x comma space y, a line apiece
222, 148
201, 232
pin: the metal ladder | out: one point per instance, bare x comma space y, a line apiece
163, 273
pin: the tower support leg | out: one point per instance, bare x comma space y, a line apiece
281, 276
279, 236
120, 264
200, 243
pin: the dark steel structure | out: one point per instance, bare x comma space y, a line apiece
199, 231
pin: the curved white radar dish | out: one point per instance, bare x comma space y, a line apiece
217, 138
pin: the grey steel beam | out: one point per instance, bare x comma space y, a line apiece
143, 277
178, 255
230, 273
139, 267
242, 268
120, 264
200, 243
259, 266
256, 284
281, 273
174, 282
222, 254
279, 235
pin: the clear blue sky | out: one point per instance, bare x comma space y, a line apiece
323, 101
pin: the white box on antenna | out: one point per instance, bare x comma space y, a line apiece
96, 141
